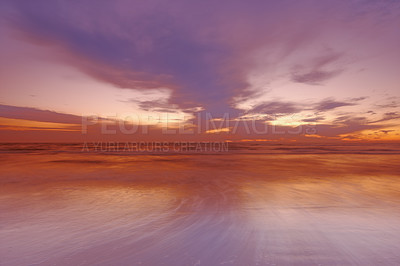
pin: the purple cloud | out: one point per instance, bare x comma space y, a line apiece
318, 69
330, 104
275, 108
201, 50
34, 114
315, 77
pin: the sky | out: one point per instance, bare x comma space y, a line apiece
201, 70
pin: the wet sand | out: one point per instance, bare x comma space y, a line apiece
59, 206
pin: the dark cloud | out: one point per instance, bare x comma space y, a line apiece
329, 104
335, 130
28, 113
387, 131
389, 104
388, 116
314, 119
162, 105
156, 106
315, 77
275, 108
317, 70
137, 47
358, 99
200, 50
350, 120
392, 114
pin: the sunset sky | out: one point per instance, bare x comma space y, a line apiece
329, 66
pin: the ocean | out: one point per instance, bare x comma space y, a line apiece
249, 204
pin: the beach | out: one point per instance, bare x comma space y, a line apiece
252, 205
